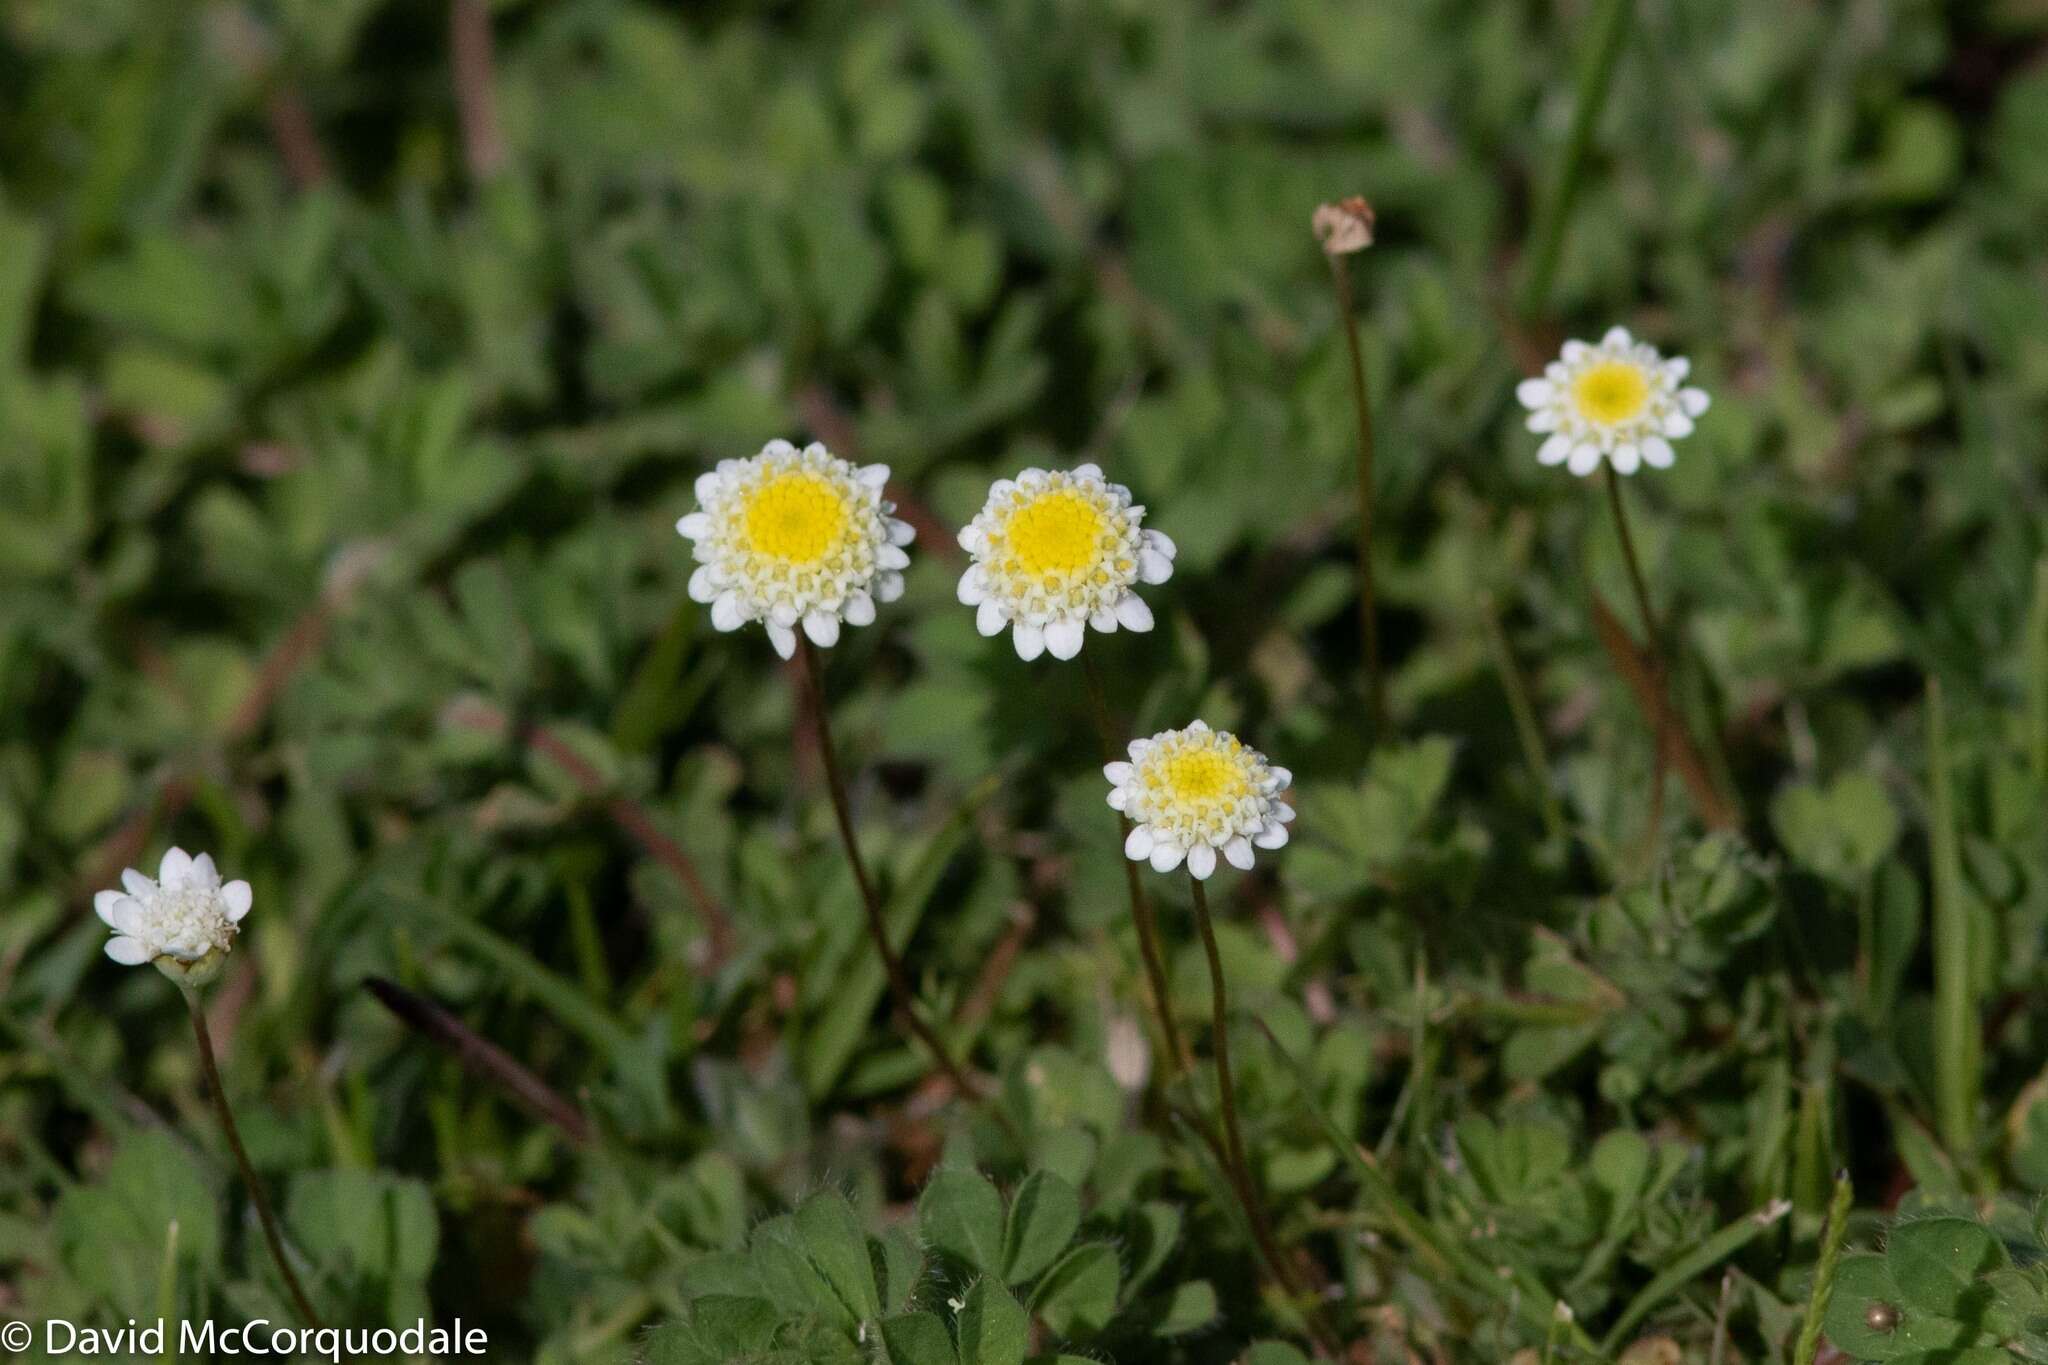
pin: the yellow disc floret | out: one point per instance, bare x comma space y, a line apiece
1057, 533
1611, 392
797, 517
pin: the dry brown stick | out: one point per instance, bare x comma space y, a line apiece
482, 1058
1642, 680
476, 99
291, 128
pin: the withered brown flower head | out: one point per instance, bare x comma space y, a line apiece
1345, 226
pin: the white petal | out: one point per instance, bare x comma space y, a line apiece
784, 640
176, 867
1137, 748
1657, 452
1282, 812
1283, 778
1272, 836
822, 627
1087, 471
1535, 393
238, 898
1133, 614
1554, 449
127, 951
972, 539
1617, 338
973, 587
901, 532
1118, 773
873, 475
785, 614
204, 872
1239, 852
1163, 543
707, 487
1693, 401
888, 587
695, 526
136, 883
1118, 798
1626, 457
990, 618
1029, 639
1199, 725
1576, 351
1201, 862
1166, 857
891, 557
1103, 622
1585, 459
1542, 420
1138, 843
1063, 638
1678, 367
780, 447
1677, 425
103, 903
1153, 567
726, 613
859, 609
702, 589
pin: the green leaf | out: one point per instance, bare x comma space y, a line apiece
1078, 1295
961, 1214
1150, 1232
1274, 1353
994, 1328
1188, 1308
833, 1238
1044, 1217
1937, 1264
918, 1339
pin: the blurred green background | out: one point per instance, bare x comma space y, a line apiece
357, 358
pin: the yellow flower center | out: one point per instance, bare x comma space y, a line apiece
1202, 776
1058, 533
1610, 392
797, 517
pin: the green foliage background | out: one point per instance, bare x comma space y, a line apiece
348, 398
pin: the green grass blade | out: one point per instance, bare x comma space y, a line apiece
1824, 1272
1690, 1267
1957, 1045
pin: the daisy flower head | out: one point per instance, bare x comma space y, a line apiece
185, 920
795, 538
1057, 551
1191, 794
1619, 401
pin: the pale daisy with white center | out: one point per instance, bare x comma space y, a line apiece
1056, 552
1619, 401
1192, 794
795, 538
187, 914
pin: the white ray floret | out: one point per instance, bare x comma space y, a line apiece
795, 538
1618, 401
1056, 552
187, 913
1195, 793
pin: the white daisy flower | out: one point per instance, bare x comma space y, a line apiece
795, 537
1198, 792
1619, 400
1058, 551
187, 914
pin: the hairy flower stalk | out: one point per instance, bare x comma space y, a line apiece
1345, 228
184, 921
878, 930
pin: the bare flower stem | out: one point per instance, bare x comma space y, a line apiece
1660, 716
1368, 610
256, 1194
1239, 1168
878, 930
1177, 1057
